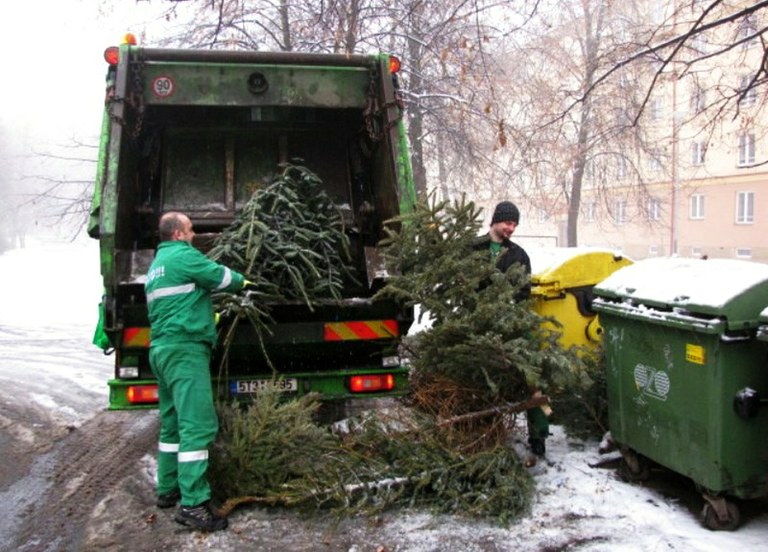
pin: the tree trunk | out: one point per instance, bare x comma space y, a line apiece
416, 120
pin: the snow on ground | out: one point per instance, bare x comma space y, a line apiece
54, 286
49, 297
55, 289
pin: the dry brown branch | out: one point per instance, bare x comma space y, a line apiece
506, 409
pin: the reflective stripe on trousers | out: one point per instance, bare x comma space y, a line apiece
187, 417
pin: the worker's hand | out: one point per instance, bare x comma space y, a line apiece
248, 284
216, 318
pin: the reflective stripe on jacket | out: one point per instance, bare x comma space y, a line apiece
178, 289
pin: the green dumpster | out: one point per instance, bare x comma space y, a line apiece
686, 373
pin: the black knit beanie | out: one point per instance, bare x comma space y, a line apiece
506, 211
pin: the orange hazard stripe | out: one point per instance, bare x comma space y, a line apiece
362, 329
136, 337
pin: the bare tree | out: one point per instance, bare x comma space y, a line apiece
584, 78
569, 138
546, 97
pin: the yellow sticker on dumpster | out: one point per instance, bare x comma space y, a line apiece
695, 353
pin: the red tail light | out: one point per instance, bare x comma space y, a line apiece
371, 383
111, 55
142, 394
394, 64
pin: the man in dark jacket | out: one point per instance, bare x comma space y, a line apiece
506, 217
178, 289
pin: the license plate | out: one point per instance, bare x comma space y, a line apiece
238, 387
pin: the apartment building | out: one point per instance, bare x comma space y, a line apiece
702, 189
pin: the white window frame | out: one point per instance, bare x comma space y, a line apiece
656, 109
746, 149
589, 211
745, 207
620, 211
696, 207
654, 162
746, 28
698, 153
698, 99
743, 252
653, 208
698, 44
750, 97
621, 167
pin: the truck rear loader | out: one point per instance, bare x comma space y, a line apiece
199, 131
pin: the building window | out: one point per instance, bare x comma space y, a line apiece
698, 99
621, 167
745, 207
589, 211
744, 252
695, 251
653, 250
698, 149
697, 45
654, 162
746, 149
653, 208
656, 109
747, 32
697, 207
657, 11
620, 212
747, 95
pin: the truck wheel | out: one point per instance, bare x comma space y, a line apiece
331, 411
711, 521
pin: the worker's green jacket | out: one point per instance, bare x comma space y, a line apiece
178, 288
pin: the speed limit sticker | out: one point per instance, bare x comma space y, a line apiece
162, 87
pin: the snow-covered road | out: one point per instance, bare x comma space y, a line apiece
53, 381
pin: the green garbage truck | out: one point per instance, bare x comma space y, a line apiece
199, 131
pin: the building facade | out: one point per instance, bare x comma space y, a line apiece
704, 184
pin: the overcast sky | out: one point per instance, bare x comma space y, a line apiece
52, 60
52, 98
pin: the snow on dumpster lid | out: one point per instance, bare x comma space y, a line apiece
764, 316
726, 287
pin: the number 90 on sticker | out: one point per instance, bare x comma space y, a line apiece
162, 87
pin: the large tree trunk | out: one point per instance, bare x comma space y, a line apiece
416, 120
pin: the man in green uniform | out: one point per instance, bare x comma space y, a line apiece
178, 289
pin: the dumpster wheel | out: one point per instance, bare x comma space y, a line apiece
635, 467
719, 514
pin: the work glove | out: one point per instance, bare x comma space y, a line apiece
248, 284
216, 318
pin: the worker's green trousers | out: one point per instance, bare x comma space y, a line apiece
538, 423
188, 422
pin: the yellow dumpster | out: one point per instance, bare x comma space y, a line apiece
562, 280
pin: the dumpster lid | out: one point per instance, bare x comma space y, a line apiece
734, 289
569, 267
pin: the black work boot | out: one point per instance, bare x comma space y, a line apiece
168, 500
538, 446
201, 517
